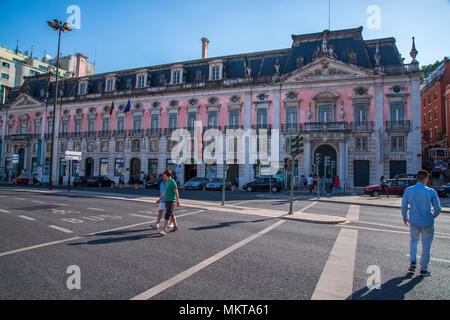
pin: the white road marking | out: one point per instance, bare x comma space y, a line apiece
307, 207
187, 214
336, 280
60, 229
148, 212
27, 218
4, 211
37, 201
22, 199
139, 215
434, 259
392, 231
2, 254
96, 209
62, 204
353, 213
189, 272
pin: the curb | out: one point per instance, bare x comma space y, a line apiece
445, 210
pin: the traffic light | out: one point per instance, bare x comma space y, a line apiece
318, 158
296, 145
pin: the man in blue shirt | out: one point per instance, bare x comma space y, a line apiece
162, 204
418, 200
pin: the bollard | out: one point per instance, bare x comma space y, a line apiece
135, 186
120, 185
112, 185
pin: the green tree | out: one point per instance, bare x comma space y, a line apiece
428, 69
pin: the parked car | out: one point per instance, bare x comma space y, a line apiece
444, 190
217, 184
263, 184
99, 181
22, 179
196, 184
153, 183
80, 181
394, 187
406, 175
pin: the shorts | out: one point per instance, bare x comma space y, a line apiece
169, 209
162, 206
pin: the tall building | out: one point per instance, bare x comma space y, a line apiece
435, 119
354, 101
15, 66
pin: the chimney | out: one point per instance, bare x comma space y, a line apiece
205, 48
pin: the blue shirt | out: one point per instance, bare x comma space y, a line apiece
162, 189
418, 200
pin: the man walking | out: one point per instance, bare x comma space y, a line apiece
162, 205
418, 200
171, 198
310, 183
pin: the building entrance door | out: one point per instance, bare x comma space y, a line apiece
328, 164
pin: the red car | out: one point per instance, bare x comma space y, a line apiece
394, 187
22, 179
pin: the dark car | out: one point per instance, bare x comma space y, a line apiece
153, 183
444, 190
99, 181
196, 183
79, 181
393, 186
263, 184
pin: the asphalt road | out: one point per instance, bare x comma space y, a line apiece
214, 255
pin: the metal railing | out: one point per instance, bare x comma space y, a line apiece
291, 127
326, 126
401, 68
153, 132
362, 126
398, 125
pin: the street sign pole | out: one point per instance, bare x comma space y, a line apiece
70, 173
223, 182
292, 185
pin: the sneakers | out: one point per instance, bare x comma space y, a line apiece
155, 226
425, 273
163, 232
175, 229
171, 225
412, 267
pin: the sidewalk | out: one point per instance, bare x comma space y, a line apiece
392, 202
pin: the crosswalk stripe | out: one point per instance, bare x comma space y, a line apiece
60, 229
4, 211
27, 218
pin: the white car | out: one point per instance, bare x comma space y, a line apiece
217, 184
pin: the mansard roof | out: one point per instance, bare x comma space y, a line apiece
346, 46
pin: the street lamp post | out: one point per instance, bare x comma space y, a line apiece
60, 27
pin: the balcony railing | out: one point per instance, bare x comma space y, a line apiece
119, 133
260, 126
291, 127
90, 134
364, 126
405, 68
22, 136
104, 134
64, 135
136, 133
153, 132
77, 134
398, 125
234, 127
326, 126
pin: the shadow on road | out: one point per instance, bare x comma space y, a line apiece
226, 224
394, 289
115, 240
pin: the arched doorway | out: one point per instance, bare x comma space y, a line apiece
21, 163
328, 163
89, 167
135, 166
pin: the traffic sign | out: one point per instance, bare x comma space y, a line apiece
15, 158
73, 155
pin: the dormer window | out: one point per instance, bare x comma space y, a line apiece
215, 70
215, 73
82, 88
176, 77
109, 84
140, 83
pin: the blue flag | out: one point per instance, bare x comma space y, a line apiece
128, 106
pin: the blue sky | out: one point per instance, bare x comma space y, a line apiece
119, 34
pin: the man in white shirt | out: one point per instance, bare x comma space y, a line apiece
310, 183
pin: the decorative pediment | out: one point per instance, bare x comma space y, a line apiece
327, 69
25, 100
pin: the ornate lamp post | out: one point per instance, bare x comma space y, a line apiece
57, 26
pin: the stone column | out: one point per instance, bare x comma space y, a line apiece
342, 162
414, 140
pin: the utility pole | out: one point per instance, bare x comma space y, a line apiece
223, 181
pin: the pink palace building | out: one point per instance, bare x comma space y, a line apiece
354, 101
